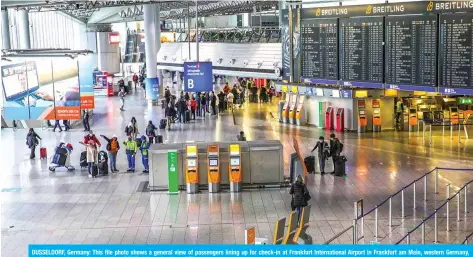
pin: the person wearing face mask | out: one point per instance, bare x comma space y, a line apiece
91, 137
323, 153
144, 153
131, 149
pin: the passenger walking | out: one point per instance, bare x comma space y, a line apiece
236, 96
213, 103
193, 106
335, 149
221, 101
300, 196
230, 100
131, 149
135, 79
92, 155
144, 153
66, 125
85, 120
151, 131
181, 109
323, 153
57, 125
122, 94
197, 100
399, 111
112, 147
169, 111
203, 103
32, 141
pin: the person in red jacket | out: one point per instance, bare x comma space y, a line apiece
193, 107
91, 137
135, 79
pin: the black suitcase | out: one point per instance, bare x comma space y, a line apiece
95, 170
339, 166
103, 168
188, 116
83, 159
162, 123
159, 139
310, 164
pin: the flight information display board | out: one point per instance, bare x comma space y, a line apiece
456, 54
411, 52
361, 52
319, 50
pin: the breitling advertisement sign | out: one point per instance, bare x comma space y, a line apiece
421, 7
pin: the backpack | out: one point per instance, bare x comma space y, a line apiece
340, 146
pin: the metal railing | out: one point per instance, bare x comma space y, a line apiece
407, 237
445, 123
389, 200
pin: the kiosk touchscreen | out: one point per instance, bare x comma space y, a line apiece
299, 112
285, 109
362, 121
292, 108
454, 117
213, 168
376, 115
340, 119
329, 124
192, 171
234, 168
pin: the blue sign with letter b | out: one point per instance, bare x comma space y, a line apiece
198, 77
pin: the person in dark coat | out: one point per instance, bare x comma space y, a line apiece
323, 153
32, 142
299, 192
334, 149
213, 103
221, 101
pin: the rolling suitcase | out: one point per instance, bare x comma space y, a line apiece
188, 116
339, 166
103, 168
162, 123
159, 139
95, 170
310, 164
83, 159
43, 154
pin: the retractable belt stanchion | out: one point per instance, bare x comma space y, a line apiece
213, 168
192, 172
234, 168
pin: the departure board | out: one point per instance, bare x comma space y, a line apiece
361, 50
411, 51
319, 49
456, 51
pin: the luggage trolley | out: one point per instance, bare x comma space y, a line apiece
62, 157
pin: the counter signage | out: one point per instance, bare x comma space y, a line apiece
420, 7
173, 177
198, 77
456, 91
345, 93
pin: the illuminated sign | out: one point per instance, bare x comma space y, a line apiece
114, 38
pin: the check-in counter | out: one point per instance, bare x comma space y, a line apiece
261, 163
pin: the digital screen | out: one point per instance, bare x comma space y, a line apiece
335, 93
411, 50
319, 91
234, 161
213, 162
362, 112
454, 110
456, 50
191, 163
361, 49
294, 98
319, 48
376, 111
412, 111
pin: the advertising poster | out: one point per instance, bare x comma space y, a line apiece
152, 88
66, 89
16, 91
198, 77
86, 82
43, 101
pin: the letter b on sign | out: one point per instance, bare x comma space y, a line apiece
190, 83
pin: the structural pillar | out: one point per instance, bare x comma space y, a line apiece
158, 44
24, 29
152, 81
5, 30
282, 5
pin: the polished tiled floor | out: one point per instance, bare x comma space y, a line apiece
68, 207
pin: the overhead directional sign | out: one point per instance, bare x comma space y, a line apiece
198, 77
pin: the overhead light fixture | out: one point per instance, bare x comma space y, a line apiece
275, 64
260, 63
174, 58
165, 57
245, 62
232, 61
220, 60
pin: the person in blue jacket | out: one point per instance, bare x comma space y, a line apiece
144, 153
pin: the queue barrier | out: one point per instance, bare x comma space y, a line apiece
278, 236
359, 217
291, 228
445, 123
303, 225
446, 204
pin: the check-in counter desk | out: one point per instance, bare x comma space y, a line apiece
261, 163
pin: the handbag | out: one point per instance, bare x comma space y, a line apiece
307, 197
293, 208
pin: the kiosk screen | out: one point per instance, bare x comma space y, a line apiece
213, 162
376, 111
191, 163
235, 161
453, 109
412, 111
362, 112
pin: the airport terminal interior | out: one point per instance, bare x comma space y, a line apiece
408, 166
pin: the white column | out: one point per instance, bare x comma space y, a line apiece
150, 49
158, 43
24, 29
5, 30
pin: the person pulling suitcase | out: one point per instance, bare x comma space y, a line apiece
323, 153
336, 147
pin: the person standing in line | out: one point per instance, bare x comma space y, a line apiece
32, 142
203, 103
85, 120
221, 100
112, 147
193, 106
197, 100
135, 79
399, 111
299, 194
169, 111
334, 149
213, 103
92, 155
230, 100
181, 109
151, 131
131, 149
66, 125
144, 153
57, 125
323, 153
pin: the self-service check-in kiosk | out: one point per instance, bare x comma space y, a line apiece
454, 116
234, 168
362, 121
413, 119
340, 119
376, 115
300, 117
285, 109
329, 118
213, 168
292, 108
192, 170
